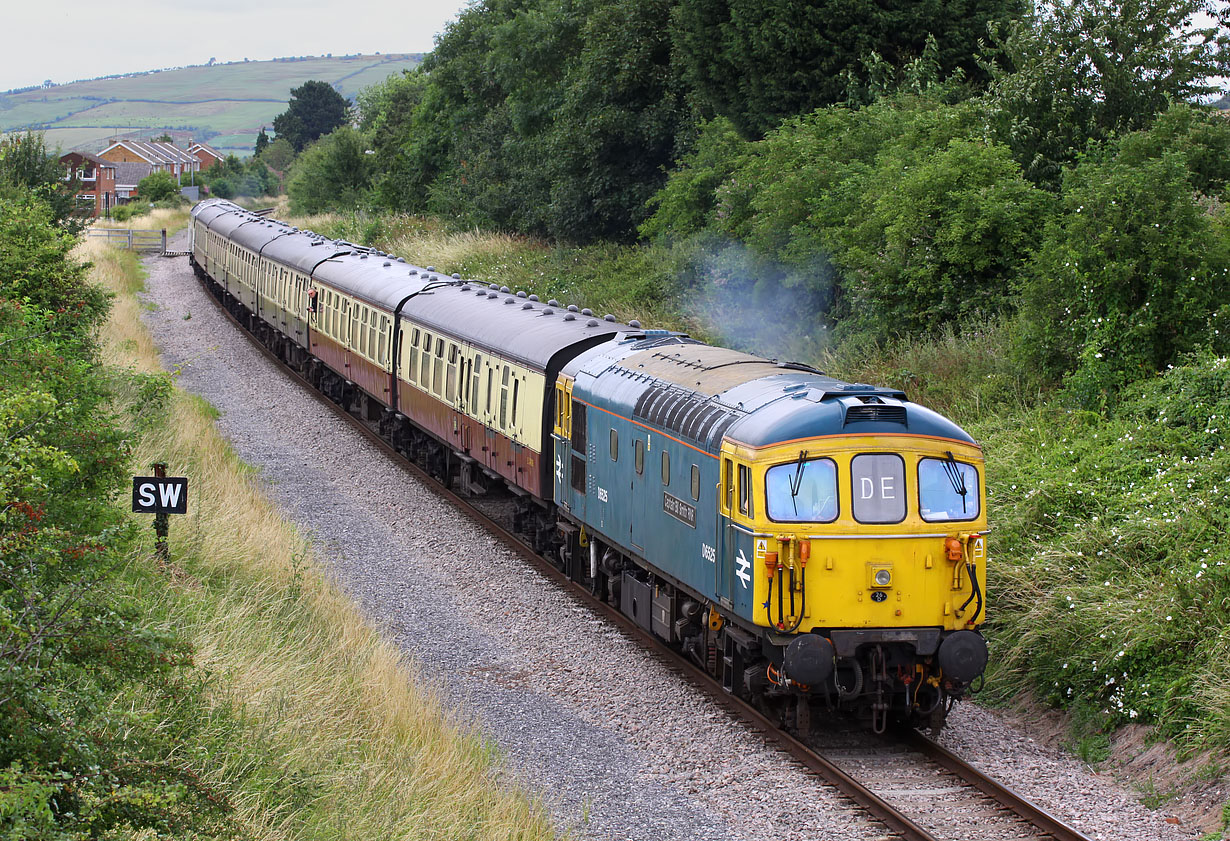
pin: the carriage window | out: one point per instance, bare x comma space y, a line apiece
516, 388
695, 483
666, 467
413, 370
490, 377
614, 445
638, 455
425, 372
478, 374
877, 483
947, 490
745, 490
504, 398
803, 491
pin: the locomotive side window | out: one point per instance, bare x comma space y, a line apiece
877, 483
614, 444
666, 467
578, 426
695, 483
745, 490
947, 490
638, 455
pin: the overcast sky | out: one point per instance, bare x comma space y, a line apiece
63, 40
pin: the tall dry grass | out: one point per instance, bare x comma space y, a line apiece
329, 733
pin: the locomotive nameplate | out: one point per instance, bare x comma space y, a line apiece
680, 510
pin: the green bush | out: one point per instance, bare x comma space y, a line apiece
1127, 276
1112, 574
157, 186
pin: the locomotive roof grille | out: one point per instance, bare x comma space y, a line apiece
875, 412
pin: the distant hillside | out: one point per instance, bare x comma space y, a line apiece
223, 105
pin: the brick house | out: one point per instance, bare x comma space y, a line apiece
207, 155
158, 156
96, 178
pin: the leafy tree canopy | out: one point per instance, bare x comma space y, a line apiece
27, 165
1081, 70
334, 173
758, 62
315, 109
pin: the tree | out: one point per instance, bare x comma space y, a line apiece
279, 154
760, 61
157, 186
315, 109
1081, 70
1129, 273
618, 128
262, 142
333, 173
25, 164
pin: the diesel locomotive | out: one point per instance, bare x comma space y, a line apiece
814, 544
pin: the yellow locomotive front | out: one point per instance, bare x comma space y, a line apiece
868, 567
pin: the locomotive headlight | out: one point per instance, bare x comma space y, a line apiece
881, 576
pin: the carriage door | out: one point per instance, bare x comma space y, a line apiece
464, 395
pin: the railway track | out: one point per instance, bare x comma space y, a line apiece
912, 787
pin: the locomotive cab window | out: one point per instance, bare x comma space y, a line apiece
745, 490
877, 483
803, 491
947, 490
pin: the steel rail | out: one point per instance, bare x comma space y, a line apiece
998, 792
880, 810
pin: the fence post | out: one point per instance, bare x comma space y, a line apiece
164, 240
130, 239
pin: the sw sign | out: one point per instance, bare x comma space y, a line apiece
159, 495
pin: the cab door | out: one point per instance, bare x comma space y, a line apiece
736, 554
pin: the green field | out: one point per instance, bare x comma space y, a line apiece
224, 105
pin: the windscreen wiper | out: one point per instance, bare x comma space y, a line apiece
797, 482
957, 478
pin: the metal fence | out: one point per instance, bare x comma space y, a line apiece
133, 240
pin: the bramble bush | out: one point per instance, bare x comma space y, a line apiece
1112, 575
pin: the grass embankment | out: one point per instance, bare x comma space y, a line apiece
1110, 587
305, 721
